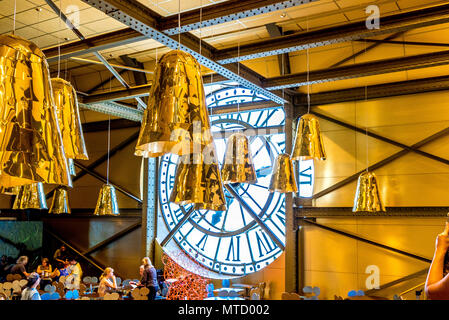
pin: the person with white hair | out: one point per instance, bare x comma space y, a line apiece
19, 267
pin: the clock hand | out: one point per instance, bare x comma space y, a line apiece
186, 216
255, 217
263, 172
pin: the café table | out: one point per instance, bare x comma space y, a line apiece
246, 287
227, 291
224, 298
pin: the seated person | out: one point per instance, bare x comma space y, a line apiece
45, 271
19, 267
138, 284
3, 265
30, 292
60, 257
108, 282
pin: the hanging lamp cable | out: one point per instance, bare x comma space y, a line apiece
308, 73
14, 20
179, 24
109, 148
366, 124
59, 39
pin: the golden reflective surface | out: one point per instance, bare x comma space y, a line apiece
31, 196
198, 181
238, 166
10, 191
31, 148
283, 176
367, 197
69, 119
60, 202
308, 142
176, 117
107, 201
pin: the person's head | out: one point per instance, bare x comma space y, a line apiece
22, 260
62, 248
45, 262
147, 262
4, 258
141, 268
33, 280
107, 273
72, 260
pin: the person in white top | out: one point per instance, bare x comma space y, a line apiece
107, 282
30, 292
75, 273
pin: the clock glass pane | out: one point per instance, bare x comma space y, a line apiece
233, 242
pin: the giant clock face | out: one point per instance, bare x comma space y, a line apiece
233, 242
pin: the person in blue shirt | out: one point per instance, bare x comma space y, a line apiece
30, 292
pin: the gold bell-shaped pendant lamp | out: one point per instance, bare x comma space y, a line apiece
107, 202
31, 196
238, 166
69, 119
308, 142
31, 148
176, 117
367, 196
283, 177
60, 202
198, 181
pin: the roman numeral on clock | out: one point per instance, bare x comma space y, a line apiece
234, 249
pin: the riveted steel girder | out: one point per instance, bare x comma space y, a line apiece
322, 37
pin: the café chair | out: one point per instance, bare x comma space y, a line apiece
254, 294
68, 295
223, 293
75, 294
226, 283
45, 296
55, 296
290, 296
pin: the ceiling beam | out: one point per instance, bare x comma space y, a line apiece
97, 43
322, 37
359, 70
332, 212
224, 12
190, 20
117, 95
133, 14
97, 126
374, 92
283, 59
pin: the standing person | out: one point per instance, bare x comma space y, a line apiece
19, 267
3, 265
107, 282
45, 271
75, 272
60, 256
437, 285
149, 278
30, 292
